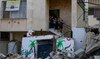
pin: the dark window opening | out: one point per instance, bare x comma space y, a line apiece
97, 13
4, 36
91, 11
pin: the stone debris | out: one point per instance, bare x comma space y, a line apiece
92, 43
59, 55
96, 57
13, 56
79, 52
89, 40
2, 56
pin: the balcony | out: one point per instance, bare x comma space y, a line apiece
13, 25
94, 3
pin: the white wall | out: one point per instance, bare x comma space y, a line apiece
79, 36
92, 20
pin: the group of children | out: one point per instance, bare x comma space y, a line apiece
56, 23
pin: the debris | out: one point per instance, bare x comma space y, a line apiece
97, 57
12, 47
79, 52
2, 56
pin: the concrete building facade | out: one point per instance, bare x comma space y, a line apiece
34, 15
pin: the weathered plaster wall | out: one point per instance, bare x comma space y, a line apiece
37, 18
92, 20
37, 14
80, 21
13, 25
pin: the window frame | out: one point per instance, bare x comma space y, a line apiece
9, 12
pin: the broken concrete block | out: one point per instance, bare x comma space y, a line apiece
2, 55
97, 57
79, 51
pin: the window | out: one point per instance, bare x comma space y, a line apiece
91, 11
97, 13
4, 36
15, 14
5, 13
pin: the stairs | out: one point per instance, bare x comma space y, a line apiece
66, 31
55, 31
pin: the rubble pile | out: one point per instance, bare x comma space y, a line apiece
2, 56
11, 56
14, 56
59, 54
92, 43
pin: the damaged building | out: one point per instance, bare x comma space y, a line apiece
81, 22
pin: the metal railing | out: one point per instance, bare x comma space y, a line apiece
81, 3
66, 30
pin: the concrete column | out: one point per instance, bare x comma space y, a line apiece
41, 14
37, 14
74, 13
11, 36
29, 14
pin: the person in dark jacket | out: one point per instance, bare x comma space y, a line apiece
56, 23
51, 23
61, 25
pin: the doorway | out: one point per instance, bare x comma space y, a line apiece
55, 13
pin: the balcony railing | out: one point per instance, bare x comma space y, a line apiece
81, 3
94, 1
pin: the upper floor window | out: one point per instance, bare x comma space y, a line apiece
14, 9
91, 11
